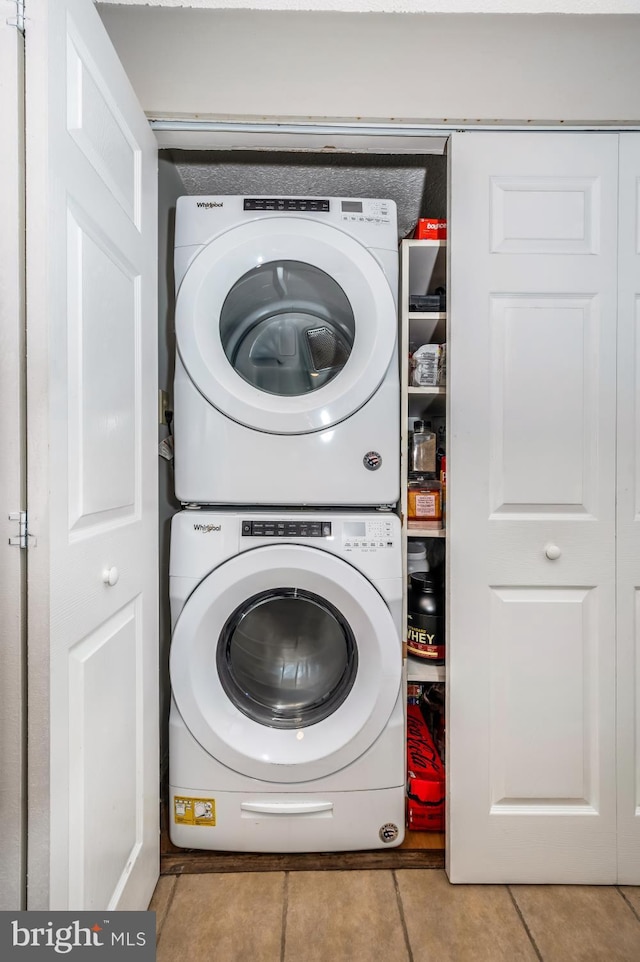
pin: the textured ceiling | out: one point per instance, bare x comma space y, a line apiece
416, 184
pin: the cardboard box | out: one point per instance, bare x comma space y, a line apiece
425, 776
430, 228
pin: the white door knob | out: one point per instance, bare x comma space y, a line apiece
552, 552
110, 576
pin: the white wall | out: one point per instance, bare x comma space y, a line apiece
240, 64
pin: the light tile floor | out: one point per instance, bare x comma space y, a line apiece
390, 916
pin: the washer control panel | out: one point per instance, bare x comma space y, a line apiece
286, 529
367, 535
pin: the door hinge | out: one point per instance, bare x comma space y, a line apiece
19, 20
23, 538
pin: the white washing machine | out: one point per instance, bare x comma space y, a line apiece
287, 719
286, 383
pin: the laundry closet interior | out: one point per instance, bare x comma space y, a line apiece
411, 173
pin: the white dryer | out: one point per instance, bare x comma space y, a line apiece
287, 718
286, 382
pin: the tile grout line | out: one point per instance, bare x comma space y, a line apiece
285, 909
169, 904
403, 921
524, 923
631, 906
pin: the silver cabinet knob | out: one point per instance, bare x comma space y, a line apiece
552, 552
110, 576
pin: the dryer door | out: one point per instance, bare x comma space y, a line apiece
286, 325
285, 663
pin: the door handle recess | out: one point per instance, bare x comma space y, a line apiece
552, 552
286, 808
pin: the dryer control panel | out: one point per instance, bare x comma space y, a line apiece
366, 211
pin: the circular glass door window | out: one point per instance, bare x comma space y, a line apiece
287, 658
287, 328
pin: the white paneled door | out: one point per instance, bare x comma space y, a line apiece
532, 491
91, 413
629, 513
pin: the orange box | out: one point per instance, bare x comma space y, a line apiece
429, 228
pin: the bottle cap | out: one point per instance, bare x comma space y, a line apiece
417, 549
422, 581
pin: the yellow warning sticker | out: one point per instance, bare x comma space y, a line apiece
194, 811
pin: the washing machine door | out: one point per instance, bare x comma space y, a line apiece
286, 325
285, 663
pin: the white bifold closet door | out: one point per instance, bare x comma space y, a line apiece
628, 574
532, 508
93, 760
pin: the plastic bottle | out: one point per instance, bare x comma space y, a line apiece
425, 619
423, 460
416, 557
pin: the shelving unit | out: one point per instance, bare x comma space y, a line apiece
415, 530
420, 670
426, 391
422, 268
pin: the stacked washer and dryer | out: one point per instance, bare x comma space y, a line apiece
287, 711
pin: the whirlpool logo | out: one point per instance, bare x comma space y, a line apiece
207, 528
45, 935
208, 204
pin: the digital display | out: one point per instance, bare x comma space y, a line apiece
351, 206
355, 529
